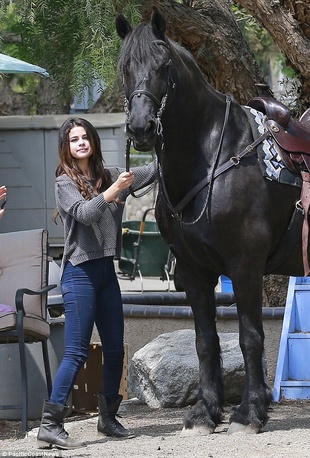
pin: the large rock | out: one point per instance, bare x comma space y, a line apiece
164, 373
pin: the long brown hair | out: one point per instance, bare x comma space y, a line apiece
67, 164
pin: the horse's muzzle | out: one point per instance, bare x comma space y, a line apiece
143, 136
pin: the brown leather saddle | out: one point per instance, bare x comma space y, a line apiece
292, 141
291, 136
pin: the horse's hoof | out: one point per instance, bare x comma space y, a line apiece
240, 428
196, 431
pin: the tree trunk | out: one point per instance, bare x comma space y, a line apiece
47, 101
209, 31
288, 23
11, 103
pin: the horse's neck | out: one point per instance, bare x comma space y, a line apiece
192, 131
196, 107
194, 97
182, 157
191, 124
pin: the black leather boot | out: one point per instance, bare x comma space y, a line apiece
107, 423
51, 432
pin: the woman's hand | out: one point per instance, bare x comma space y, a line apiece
124, 181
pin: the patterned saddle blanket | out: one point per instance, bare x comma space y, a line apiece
271, 163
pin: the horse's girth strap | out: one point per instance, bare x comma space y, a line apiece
305, 202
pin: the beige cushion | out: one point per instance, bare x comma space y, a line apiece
23, 264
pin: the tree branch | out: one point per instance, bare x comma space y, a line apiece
209, 31
282, 20
10, 38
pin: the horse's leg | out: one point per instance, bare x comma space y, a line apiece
207, 413
251, 415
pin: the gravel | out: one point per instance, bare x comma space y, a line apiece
158, 436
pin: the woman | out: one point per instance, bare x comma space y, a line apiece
90, 201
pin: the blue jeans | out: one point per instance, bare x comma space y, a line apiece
91, 294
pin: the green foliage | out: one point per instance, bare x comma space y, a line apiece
140, 158
9, 19
75, 40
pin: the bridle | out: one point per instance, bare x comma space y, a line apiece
161, 106
160, 103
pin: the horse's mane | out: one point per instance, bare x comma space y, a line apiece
139, 45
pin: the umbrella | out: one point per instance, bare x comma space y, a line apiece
11, 65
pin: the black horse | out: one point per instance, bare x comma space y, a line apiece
218, 212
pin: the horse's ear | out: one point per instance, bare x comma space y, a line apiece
123, 27
158, 24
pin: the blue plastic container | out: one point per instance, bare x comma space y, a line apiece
226, 284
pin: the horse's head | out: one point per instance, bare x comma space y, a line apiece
146, 68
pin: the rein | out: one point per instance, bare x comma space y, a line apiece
232, 162
132, 193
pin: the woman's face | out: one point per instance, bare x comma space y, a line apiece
80, 147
